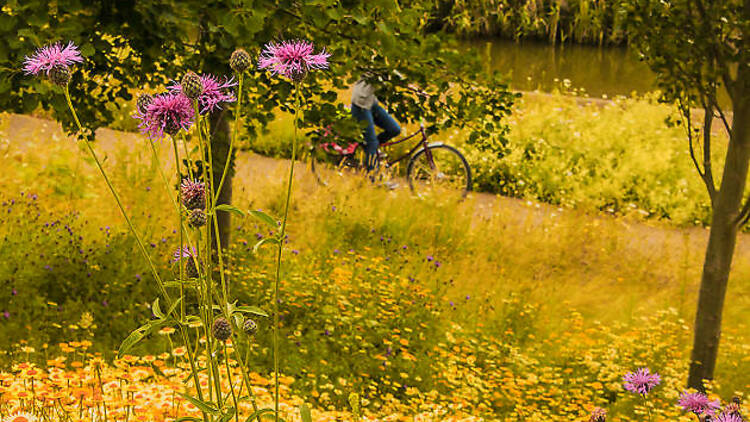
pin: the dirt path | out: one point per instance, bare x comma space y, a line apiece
641, 235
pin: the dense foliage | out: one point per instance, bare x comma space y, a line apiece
131, 46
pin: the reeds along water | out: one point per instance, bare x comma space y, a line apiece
557, 21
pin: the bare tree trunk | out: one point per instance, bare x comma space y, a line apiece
721, 244
220, 136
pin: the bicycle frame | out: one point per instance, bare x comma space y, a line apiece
421, 144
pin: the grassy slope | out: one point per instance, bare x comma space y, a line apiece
497, 251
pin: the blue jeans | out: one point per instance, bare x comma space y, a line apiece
375, 116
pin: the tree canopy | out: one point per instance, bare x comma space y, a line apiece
129, 46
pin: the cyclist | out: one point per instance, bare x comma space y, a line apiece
365, 107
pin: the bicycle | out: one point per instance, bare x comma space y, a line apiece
430, 165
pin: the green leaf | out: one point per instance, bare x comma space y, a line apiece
227, 416
174, 305
252, 310
259, 414
131, 340
263, 217
304, 412
156, 309
264, 241
200, 404
229, 208
188, 419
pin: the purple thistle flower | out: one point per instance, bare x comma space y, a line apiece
185, 252
728, 417
215, 92
47, 57
292, 59
598, 415
698, 403
167, 114
641, 381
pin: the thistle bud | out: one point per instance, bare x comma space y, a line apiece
192, 86
221, 329
190, 269
250, 327
239, 61
59, 75
144, 100
197, 218
193, 194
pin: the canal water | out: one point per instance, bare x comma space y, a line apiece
599, 71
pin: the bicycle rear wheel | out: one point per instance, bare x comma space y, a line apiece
326, 165
439, 167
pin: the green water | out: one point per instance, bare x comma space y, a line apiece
599, 71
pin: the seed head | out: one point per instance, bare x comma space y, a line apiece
197, 218
144, 100
250, 327
192, 86
59, 75
193, 194
240, 60
221, 329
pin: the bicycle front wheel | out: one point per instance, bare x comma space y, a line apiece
439, 167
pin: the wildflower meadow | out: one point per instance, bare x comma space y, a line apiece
190, 232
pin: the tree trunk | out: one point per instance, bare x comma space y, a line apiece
721, 243
220, 137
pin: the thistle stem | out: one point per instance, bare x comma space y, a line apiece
231, 385
282, 233
648, 411
234, 136
138, 240
209, 239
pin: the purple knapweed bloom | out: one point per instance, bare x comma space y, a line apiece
185, 252
215, 92
698, 403
728, 417
167, 114
292, 59
598, 415
47, 57
641, 381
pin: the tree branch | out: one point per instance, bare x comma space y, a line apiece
708, 177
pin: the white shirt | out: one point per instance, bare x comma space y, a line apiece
363, 95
